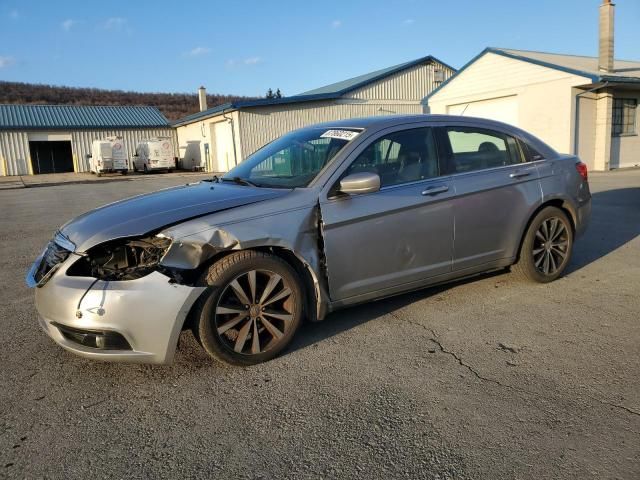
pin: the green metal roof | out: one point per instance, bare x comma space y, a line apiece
64, 117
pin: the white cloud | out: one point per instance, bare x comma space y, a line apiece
6, 61
409, 21
68, 24
197, 52
336, 24
114, 23
233, 62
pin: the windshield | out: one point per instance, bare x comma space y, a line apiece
292, 160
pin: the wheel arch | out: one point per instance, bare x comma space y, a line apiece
314, 307
560, 203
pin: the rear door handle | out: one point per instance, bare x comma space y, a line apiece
435, 190
519, 174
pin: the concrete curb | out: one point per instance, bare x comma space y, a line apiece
18, 182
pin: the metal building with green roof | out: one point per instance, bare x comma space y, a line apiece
57, 138
221, 137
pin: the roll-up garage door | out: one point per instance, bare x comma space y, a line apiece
503, 109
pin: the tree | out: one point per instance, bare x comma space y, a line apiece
271, 95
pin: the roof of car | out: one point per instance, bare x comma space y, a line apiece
384, 121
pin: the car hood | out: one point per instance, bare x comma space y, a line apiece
145, 213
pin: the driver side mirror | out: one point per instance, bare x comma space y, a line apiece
362, 182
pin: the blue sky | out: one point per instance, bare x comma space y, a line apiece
245, 47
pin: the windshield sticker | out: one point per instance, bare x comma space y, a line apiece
347, 135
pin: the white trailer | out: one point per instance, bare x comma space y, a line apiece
154, 154
108, 155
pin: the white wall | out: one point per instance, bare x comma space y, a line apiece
193, 137
545, 97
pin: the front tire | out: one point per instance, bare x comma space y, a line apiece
251, 310
547, 246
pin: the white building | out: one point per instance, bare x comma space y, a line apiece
57, 138
582, 105
219, 138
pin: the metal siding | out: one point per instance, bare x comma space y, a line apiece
14, 146
412, 84
14, 153
259, 126
82, 140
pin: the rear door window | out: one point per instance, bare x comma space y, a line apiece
479, 149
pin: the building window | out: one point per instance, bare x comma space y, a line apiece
624, 116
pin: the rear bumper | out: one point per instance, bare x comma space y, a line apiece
583, 217
149, 313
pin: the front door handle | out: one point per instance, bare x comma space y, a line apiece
435, 190
519, 174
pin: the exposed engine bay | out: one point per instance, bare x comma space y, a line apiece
128, 259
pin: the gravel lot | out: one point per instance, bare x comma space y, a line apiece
489, 378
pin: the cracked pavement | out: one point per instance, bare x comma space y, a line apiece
483, 378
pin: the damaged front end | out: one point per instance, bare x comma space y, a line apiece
123, 259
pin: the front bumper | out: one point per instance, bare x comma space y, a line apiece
148, 312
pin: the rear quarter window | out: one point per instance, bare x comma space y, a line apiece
530, 153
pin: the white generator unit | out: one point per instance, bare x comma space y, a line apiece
154, 154
108, 155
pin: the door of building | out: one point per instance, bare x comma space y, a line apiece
51, 156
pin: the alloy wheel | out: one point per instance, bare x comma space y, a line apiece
254, 311
551, 245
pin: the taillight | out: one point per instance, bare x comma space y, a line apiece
582, 170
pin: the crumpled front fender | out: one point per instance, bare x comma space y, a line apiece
297, 231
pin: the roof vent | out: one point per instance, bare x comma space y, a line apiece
438, 76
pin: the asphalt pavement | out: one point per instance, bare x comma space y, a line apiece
486, 379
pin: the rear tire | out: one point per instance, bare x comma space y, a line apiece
251, 309
546, 247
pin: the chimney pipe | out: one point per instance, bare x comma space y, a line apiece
605, 57
202, 97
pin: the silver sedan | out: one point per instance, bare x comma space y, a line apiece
324, 217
